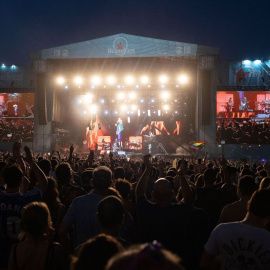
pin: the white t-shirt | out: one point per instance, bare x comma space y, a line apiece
240, 246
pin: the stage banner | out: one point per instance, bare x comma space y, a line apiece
249, 73
121, 45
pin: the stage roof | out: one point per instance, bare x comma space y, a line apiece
123, 46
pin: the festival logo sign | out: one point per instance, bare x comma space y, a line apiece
120, 47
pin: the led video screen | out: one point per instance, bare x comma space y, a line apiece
242, 117
17, 117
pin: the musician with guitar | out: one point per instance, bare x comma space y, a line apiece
244, 103
119, 129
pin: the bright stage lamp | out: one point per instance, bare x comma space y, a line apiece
111, 80
163, 79
60, 80
121, 96
144, 79
88, 98
96, 80
257, 62
123, 107
183, 79
78, 80
129, 80
165, 107
133, 107
165, 95
132, 95
93, 109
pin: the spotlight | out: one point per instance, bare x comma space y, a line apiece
79, 101
246, 62
165, 95
144, 79
106, 112
133, 107
182, 79
163, 79
115, 112
152, 100
96, 80
129, 80
142, 100
66, 87
93, 109
111, 80
139, 113
123, 107
257, 62
132, 95
121, 96
60, 80
84, 112
102, 100
137, 86
88, 98
166, 107
3, 66
149, 113
159, 113
78, 80
128, 119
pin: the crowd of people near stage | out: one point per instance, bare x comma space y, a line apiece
15, 130
113, 212
233, 131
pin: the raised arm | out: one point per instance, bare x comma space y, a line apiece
40, 176
144, 179
16, 149
185, 188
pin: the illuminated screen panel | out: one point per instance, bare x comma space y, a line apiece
17, 117
242, 117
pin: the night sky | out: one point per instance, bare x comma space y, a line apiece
240, 28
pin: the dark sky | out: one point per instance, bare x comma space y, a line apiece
241, 28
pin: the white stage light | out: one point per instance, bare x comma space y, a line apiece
149, 113
88, 98
166, 107
84, 112
142, 100
102, 100
165, 95
123, 107
60, 80
111, 80
106, 112
121, 96
96, 80
144, 79
128, 119
93, 109
78, 80
132, 95
159, 113
133, 107
152, 100
182, 79
163, 79
66, 87
257, 62
129, 80
79, 101
139, 113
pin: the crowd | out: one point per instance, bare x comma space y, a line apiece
87, 212
233, 131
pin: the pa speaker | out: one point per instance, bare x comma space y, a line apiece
41, 99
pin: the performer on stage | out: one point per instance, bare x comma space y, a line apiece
103, 144
119, 129
229, 105
244, 103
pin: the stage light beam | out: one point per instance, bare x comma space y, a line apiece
165, 95
121, 96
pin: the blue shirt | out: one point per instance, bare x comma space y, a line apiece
82, 214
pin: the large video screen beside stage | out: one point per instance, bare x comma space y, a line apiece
17, 117
243, 117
